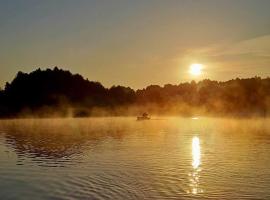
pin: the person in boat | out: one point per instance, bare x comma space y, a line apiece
143, 117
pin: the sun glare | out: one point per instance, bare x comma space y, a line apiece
195, 69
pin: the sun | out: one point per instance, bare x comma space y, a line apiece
195, 69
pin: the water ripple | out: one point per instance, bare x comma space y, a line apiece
119, 158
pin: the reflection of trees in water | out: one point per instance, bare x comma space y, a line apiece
48, 147
55, 140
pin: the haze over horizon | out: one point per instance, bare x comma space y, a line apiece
136, 43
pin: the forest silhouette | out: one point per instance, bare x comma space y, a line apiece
57, 92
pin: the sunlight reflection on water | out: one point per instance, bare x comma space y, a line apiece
196, 152
194, 176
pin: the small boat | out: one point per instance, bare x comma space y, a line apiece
143, 117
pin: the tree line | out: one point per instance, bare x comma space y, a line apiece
51, 91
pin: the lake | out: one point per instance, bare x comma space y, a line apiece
121, 158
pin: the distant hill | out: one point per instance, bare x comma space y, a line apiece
58, 89
56, 92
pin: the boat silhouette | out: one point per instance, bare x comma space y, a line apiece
143, 117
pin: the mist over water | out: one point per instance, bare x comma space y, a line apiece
121, 158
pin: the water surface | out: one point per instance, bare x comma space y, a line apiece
121, 158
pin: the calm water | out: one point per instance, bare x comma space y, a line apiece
121, 158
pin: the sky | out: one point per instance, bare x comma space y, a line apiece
136, 43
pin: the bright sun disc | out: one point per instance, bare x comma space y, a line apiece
195, 69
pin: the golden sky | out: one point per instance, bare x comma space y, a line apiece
136, 43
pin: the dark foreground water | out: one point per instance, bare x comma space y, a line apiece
121, 158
